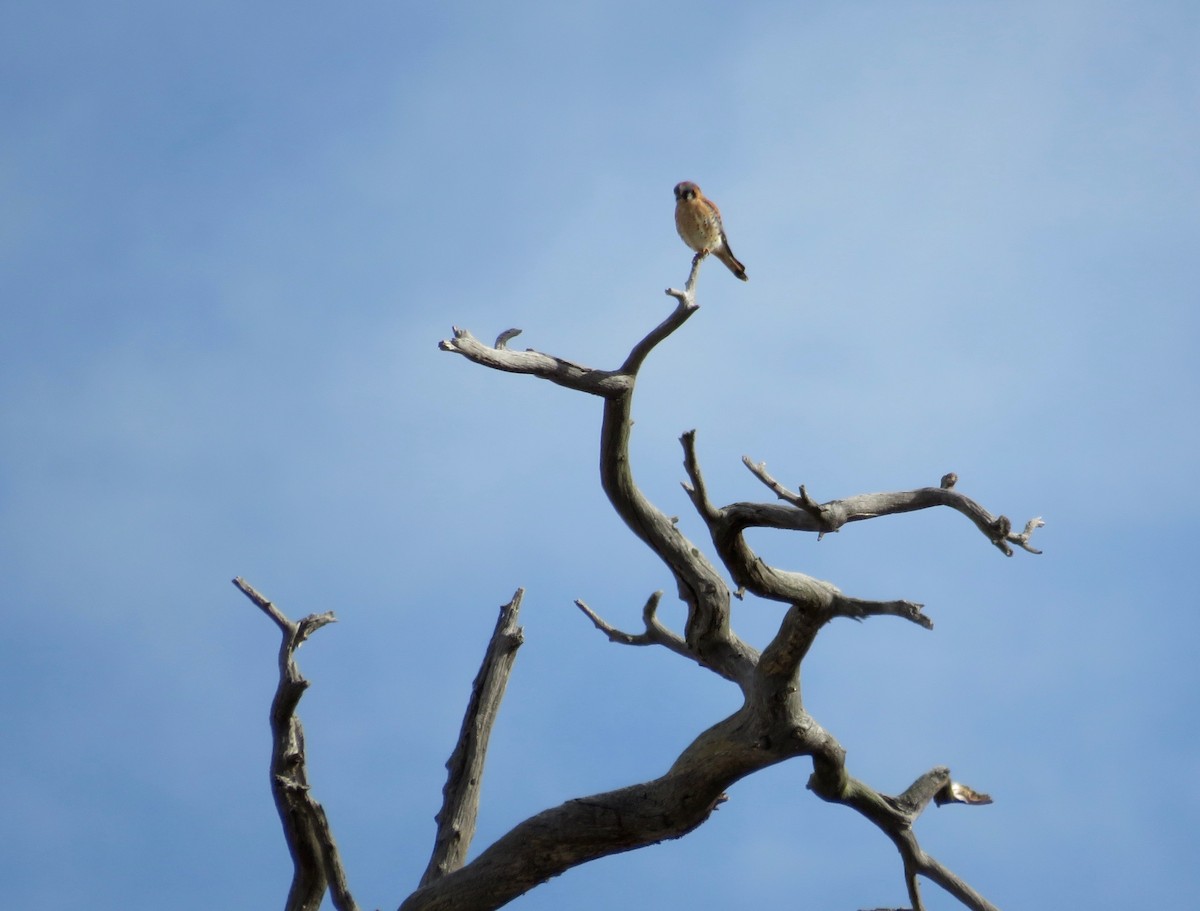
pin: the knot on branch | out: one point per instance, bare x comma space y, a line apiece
827, 521
998, 532
829, 788
510, 642
291, 784
1002, 526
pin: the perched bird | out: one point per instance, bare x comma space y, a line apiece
698, 221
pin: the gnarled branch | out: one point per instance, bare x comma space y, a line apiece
827, 517
556, 369
316, 864
772, 725
654, 634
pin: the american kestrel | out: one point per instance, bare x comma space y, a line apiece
698, 221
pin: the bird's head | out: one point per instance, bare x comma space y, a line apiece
686, 190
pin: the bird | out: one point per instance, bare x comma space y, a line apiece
698, 221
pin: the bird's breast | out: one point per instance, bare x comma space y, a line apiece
697, 225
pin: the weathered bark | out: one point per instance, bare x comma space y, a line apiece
771, 726
316, 865
460, 800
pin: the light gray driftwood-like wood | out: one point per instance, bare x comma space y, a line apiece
316, 865
772, 725
460, 797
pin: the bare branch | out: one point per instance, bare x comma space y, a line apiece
709, 637
591, 827
460, 796
680, 315
1022, 539
918, 794
697, 491
707, 632
800, 500
505, 337
654, 634
264, 605
826, 517
859, 609
772, 725
687, 297
316, 864
780, 662
815, 603
614, 634
913, 885
895, 816
555, 369
936, 872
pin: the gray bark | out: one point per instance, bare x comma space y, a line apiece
771, 726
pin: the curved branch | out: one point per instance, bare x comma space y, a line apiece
828, 517
555, 369
919, 863
771, 725
588, 828
707, 630
895, 816
860, 609
655, 633
751, 573
697, 490
709, 638
679, 316
316, 863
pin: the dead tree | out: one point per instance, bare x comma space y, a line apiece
771, 725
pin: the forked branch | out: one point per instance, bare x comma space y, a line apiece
707, 633
316, 864
654, 634
827, 517
772, 725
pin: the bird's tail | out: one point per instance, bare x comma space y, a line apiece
725, 255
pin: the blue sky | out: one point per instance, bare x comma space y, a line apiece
231, 236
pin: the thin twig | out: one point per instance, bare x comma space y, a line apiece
655, 632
